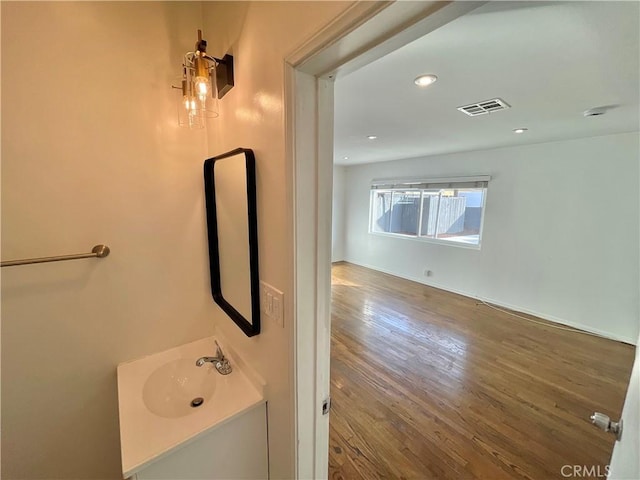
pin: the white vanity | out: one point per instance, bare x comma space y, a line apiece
180, 421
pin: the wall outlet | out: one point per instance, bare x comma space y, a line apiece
428, 273
272, 303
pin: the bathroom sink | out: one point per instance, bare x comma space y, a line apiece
179, 388
155, 394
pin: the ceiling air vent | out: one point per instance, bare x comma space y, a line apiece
488, 106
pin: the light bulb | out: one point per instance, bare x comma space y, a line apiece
190, 105
192, 120
189, 114
202, 87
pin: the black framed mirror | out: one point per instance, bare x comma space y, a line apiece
232, 224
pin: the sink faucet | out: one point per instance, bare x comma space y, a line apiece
219, 361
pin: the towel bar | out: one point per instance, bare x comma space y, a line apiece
99, 251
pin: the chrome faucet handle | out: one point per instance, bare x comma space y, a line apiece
219, 353
223, 366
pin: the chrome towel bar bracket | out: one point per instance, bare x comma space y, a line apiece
99, 251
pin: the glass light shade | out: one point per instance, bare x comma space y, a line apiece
189, 115
207, 102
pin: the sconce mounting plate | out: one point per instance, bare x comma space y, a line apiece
224, 75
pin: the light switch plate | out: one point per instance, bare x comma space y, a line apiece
272, 303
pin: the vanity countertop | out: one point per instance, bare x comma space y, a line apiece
146, 437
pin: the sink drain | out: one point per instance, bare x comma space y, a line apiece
196, 402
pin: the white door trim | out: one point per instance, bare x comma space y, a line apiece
364, 32
625, 462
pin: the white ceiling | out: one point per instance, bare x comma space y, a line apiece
549, 60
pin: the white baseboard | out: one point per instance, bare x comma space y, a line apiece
499, 303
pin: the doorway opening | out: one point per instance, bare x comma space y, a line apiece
456, 339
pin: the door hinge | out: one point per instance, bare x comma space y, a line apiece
326, 405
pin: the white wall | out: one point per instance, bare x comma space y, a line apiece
338, 217
625, 461
560, 231
260, 35
91, 153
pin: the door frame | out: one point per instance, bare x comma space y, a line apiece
364, 32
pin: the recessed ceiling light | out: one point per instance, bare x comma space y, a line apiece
345, 158
425, 80
520, 130
372, 137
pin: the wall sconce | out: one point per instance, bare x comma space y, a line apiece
205, 79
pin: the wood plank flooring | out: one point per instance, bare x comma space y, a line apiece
426, 384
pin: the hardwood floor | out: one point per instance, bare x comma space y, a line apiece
426, 384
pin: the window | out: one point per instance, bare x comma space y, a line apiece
440, 210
